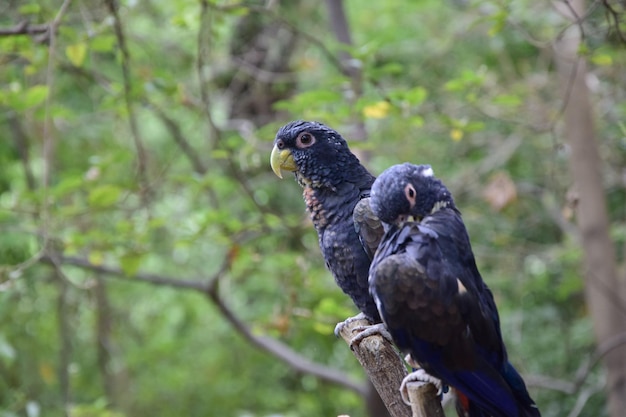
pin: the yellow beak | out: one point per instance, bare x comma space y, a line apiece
282, 159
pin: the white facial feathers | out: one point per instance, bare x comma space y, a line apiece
427, 172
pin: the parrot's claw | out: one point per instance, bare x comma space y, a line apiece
411, 362
419, 376
339, 327
363, 331
367, 331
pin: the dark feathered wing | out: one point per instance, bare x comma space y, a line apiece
367, 226
435, 305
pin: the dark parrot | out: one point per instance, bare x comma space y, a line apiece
432, 298
336, 189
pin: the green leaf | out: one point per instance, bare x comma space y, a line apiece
583, 49
104, 196
76, 53
323, 328
499, 21
32, 8
67, 186
603, 60
417, 121
509, 100
220, 154
32, 97
416, 96
131, 262
102, 43
454, 85
474, 126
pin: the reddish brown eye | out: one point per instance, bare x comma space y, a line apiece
305, 140
410, 193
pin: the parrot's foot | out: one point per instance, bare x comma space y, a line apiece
367, 331
412, 362
363, 331
339, 327
419, 376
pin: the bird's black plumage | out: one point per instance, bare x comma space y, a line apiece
432, 298
334, 183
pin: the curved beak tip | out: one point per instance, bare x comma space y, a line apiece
281, 159
275, 162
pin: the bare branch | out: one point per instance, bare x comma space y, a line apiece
350, 67
65, 336
264, 75
606, 347
292, 27
571, 387
198, 285
614, 20
582, 399
340, 27
48, 138
202, 60
208, 286
285, 353
546, 382
142, 157
41, 32
20, 138
174, 128
104, 343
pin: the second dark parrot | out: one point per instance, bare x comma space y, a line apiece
432, 298
336, 189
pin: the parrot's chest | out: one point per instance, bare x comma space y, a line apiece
315, 208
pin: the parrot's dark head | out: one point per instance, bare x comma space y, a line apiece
408, 191
317, 154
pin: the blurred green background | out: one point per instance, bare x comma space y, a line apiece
137, 202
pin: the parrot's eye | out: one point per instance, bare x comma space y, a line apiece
304, 140
280, 144
410, 193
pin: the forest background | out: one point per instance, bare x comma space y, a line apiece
151, 264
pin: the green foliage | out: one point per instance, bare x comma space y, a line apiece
465, 86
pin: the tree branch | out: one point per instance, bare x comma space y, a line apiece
48, 137
20, 138
26, 28
386, 370
204, 43
290, 26
208, 286
142, 157
65, 336
184, 145
602, 286
350, 67
582, 399
283, 352
571, 387
103, 339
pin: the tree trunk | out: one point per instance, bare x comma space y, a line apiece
602, 286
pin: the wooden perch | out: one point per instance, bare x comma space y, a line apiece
386, 369
424, 401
